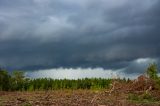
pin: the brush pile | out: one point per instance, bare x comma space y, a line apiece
141, 84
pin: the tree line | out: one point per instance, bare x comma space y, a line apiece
16, 81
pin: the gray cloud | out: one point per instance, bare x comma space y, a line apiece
37, 34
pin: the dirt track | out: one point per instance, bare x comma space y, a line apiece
66, 98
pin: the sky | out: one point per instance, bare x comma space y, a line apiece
77, 38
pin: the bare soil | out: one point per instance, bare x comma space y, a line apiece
68, 98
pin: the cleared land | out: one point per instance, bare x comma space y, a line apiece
143, 91
77, 98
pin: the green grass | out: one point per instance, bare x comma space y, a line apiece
0, 101
27, 104
145, 98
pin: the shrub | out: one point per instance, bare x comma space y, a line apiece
152, 71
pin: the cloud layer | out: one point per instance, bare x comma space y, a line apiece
78, 73
43, 34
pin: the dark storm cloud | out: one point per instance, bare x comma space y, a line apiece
37, 34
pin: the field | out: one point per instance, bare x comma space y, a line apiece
15, 90
71, 98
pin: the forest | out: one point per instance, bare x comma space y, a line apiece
16, 81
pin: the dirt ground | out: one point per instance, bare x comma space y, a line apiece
68, 98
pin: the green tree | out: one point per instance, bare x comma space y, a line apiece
18, 80
152, 71
4, 80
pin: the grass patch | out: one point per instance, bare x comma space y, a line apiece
27, 104
145, 98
